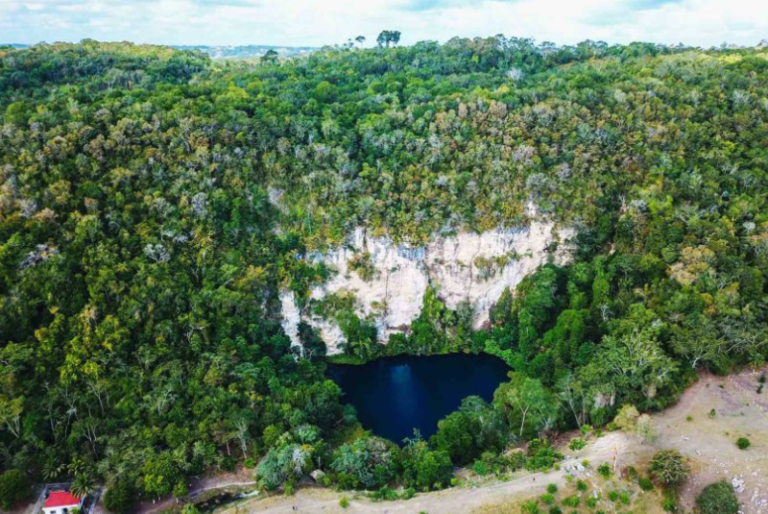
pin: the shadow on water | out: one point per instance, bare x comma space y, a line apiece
395, 395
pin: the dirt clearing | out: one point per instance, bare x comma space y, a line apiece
707, 438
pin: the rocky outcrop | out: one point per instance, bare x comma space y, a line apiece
467, 267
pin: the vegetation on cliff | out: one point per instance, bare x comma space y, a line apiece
141, 257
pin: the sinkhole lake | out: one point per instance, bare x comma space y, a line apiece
395, 395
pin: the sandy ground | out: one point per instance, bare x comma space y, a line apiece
709, 442
450, 501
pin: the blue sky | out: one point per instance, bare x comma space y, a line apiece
318, 22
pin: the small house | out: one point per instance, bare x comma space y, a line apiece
61, 502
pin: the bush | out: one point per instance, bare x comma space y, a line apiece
427, 469
13, 488
604, 470
743, 443
577, 444
669, 503
718, 498
669, 468
552, 488
344, 502
645, 484
120, 497
385, 494
581, 486
571, 501
530, 507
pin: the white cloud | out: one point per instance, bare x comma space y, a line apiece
317, 22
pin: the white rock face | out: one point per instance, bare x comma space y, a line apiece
476, 268
291, 316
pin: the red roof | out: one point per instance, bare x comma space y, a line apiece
61, 499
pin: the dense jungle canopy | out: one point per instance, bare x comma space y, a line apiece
142, 248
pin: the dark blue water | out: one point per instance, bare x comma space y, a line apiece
394, 395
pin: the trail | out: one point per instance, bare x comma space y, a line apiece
197, 488
708, 441
449, 501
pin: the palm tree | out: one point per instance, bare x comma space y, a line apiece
83, 486
52, 470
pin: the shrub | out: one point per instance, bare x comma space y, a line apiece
581, 486
13, 488
604, 470
743, 443
572, 501
577, 444
344, 502
624, 497
481, 468
120, 497
552, 488
669, 468
385, 494
555, 510
547, 499
530, 507
670, 500
613, 496
424, 468
645, 484
631, 472
718, 498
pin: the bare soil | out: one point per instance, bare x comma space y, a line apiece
709, 442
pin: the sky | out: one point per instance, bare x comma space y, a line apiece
704, 23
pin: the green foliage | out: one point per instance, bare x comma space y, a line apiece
473, 429
577, 444
154, 205
284, 464
425, 469
604, 470
541, 456
718, 498
120, 497
344, 502
743, 443
13, 488
669, 467
367, 463
571, 501
645, 484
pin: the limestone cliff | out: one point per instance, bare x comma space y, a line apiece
476, 268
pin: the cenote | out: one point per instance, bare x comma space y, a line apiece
395, 395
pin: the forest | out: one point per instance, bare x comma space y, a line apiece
142, 254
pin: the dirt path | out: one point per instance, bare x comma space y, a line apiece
709, 441
449, 501
240, 478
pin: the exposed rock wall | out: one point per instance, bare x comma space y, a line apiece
476, 268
